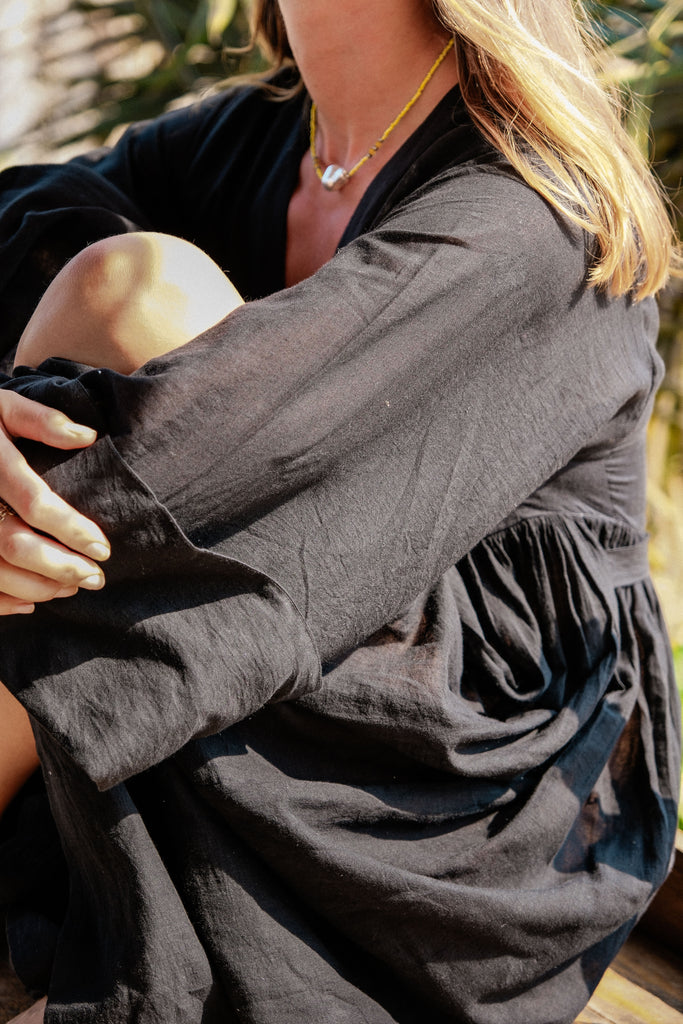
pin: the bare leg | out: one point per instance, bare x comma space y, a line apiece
18, 757
34, 1015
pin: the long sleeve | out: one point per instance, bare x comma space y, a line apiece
348, 439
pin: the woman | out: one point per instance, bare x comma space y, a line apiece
431, 416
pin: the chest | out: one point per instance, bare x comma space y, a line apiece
316, 221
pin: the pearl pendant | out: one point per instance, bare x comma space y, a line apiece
334, 178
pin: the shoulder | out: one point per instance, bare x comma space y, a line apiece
237, 110
457, 189
228, 120
509, 274
482, 216
484, 202
177, 166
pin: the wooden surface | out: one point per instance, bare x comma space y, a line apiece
664, 919
643, 986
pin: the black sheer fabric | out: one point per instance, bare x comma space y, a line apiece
422, 469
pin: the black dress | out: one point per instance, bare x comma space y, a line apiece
423, 468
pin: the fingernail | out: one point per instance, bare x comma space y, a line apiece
94, 582
98, 551
82, 433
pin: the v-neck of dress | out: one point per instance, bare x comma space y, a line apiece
410, 165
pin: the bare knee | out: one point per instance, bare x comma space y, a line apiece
125, 299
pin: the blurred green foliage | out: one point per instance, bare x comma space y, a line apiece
645, 40
183, 47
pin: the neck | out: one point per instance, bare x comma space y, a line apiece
361, 63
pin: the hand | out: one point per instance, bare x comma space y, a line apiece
33, 567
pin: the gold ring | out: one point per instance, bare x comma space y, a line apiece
5, 510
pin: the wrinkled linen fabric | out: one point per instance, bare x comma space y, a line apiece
375, 718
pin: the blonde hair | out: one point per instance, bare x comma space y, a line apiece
529, 75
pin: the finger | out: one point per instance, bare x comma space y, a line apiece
27, 557
41, 508
12, 606
26, 492
15, 606
29, 587
24, 418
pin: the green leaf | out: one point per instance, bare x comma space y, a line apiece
220, 15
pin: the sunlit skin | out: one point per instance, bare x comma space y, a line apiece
125, 300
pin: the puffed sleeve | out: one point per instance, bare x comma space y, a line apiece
286, 483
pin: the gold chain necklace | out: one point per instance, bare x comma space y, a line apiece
333, 177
